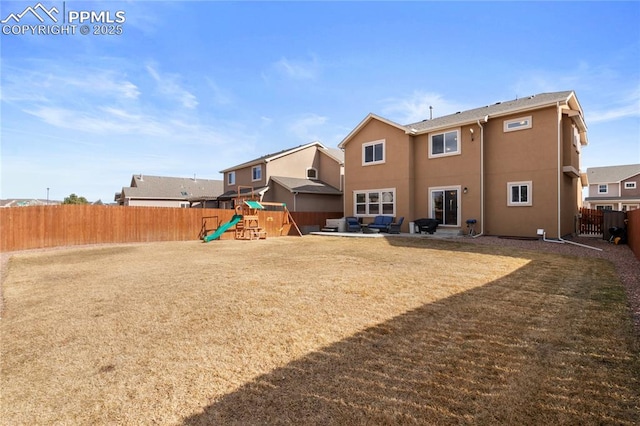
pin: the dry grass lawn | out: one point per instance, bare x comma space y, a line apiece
315, 330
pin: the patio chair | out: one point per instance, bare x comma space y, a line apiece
394, 227
352, 224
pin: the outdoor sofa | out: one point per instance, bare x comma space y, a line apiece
381, 223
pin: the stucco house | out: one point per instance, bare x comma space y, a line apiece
306, 178
614, 187
165, 191
512, 166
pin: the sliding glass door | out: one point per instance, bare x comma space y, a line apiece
444, 205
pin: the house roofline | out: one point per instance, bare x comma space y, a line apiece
291, 151
369, 117
570, 103
278, 180
474, 120
266, 159
616, 198
333, 157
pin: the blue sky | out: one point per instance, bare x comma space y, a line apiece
195, 87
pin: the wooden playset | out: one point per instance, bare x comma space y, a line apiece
247, 221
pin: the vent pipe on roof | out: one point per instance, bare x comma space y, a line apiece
430, 112
194, 177
141, 177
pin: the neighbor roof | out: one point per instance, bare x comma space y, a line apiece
612, 174
306, 186
165, 187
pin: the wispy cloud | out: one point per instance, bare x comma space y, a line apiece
616, 99
100, 121
624, 107
169, 86
308, 127
416, 107
107, 102
220, 96
51, 82
298, 69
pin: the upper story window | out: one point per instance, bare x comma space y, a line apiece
231, 178
312, 173
442, 144
517, 124
256, 173
373, 152
629, 185
603, 189
519, 194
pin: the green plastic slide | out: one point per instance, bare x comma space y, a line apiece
235, 219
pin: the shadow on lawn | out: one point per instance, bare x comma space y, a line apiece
523, 349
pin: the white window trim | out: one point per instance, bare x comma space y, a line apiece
528, 123
366, 191
529, 202
258, 167
307, 173
445, 154
606, 191
459, 213
231, 178
630, 185
373, 143
604, 206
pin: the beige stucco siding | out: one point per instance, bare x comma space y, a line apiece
529, 155
317, 203
329, 170
292, 165
244, 178
303, 202
570, 152
461, 171
394, 173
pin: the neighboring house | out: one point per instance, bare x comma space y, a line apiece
26, 202
614, 187
163, 191
512, 166
306, 178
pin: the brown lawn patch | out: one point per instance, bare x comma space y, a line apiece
315, 330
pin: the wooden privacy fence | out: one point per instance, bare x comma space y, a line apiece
633, 231
24, 228
590, 221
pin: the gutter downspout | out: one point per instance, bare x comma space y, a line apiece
486, 118
559, 169
544, 235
